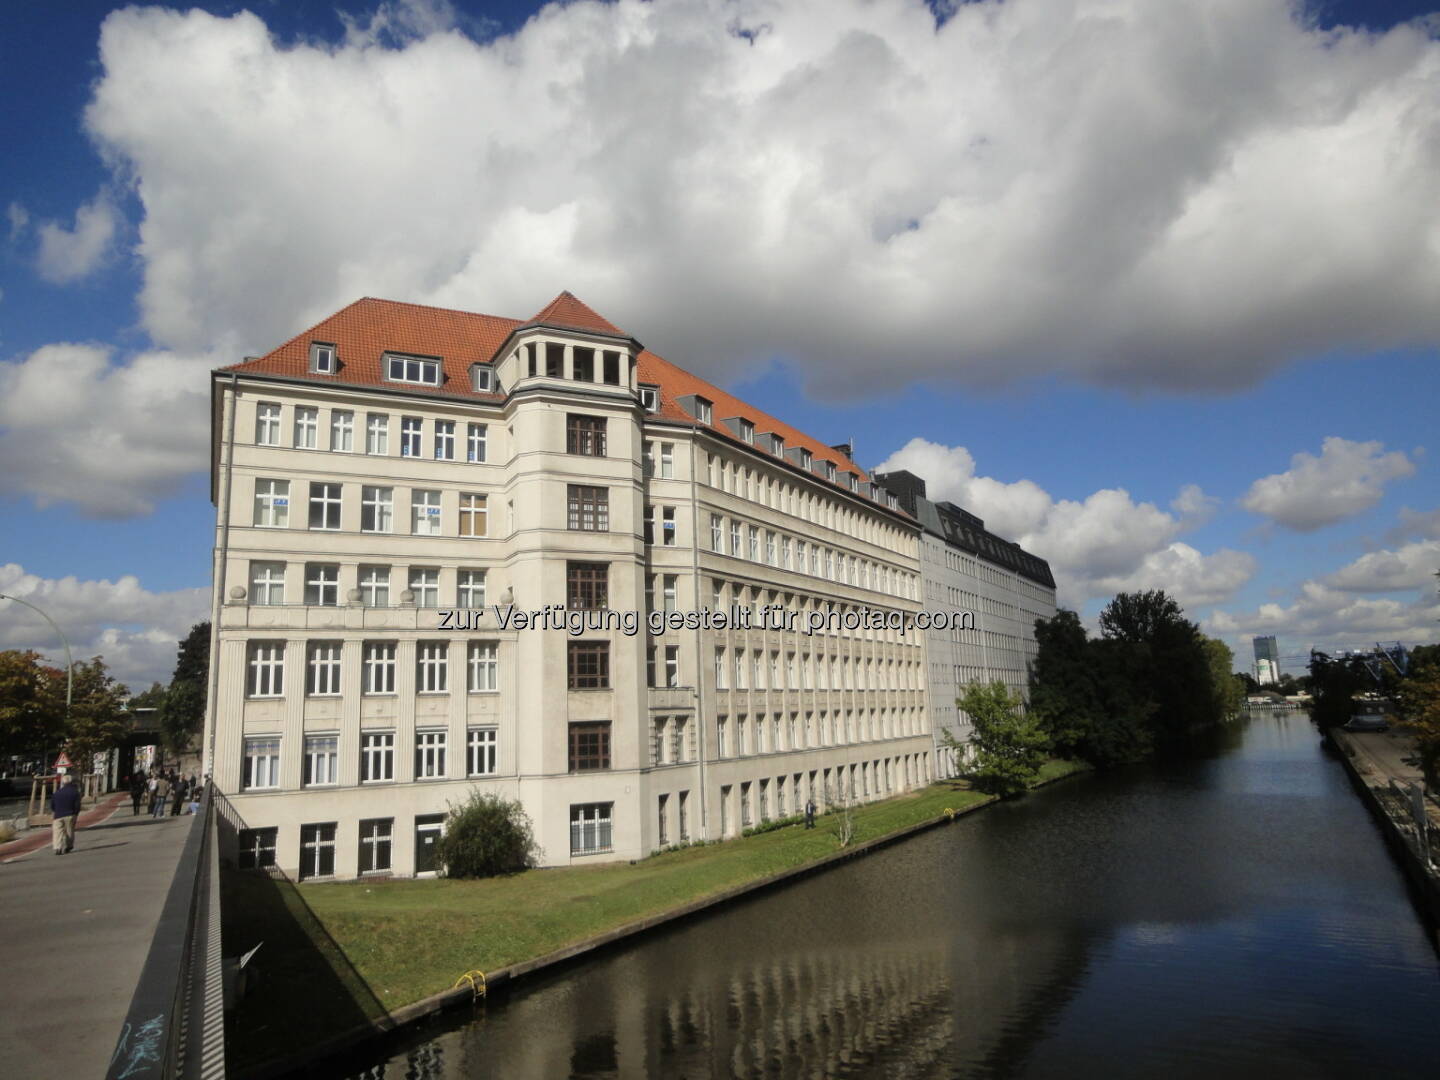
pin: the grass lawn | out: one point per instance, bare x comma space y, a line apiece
403, 940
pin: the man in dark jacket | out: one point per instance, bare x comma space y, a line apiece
137, 792
65, 806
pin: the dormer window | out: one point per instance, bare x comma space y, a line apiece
482, 378
777, 445
805, 459
703, 411
412, 369
853, 481
747, 432
322, 359
830, 471
650, 398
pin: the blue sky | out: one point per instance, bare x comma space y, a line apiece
1011, 275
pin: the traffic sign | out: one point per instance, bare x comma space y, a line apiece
63, 761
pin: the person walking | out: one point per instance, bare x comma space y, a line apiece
809, 813
65, 808
137, 793
177, 796
160, 797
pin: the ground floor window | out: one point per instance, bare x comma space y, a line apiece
317, 850
375, 839
664, 802
590, 828
257, 848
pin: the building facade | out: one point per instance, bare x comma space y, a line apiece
966, 569
443, 541
1267, 660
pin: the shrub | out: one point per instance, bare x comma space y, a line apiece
487, 835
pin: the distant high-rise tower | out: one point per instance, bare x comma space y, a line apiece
1267, 661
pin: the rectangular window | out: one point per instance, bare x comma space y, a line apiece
412, 369
589, 665
322, 669
444, 440
704, 412
475, 443
754, 544
342, 430
682, 823
377, 756
272, 504
717, 538
266, 669
322, 584
785, 552
667, 461
377, 433
307, 422
590, 828
480, 752
590, 746
672, 665
262, 763
257, 848
649, 398
589, 508
267, 583
317, 851
375, 586
410, 436
322, 358
470, 588
377, 509
587, 586
376, 840
324, 506
474, 519
321, 755
662, 804
267, 424
735, 539
484, 665
585, 435
380, 667
430, 755
425, 585
769, 548
425, 513
747, 432
432, 667
721, 670
667, 526
669, 584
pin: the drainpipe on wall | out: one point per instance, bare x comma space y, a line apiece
217, 601
699, 638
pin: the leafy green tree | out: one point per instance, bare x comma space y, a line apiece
1180, 679
1229, 692
98, 718
1010, 746
148, 699
182, 712
1334, 682
29, 720
486, 835
1419, 700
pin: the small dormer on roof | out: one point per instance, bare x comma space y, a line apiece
772, 442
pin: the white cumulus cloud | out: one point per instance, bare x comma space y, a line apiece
68, 254
1409, 567
1347, 478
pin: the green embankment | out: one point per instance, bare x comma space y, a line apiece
375, 946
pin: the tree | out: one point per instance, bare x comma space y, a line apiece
487, 835
182, 712
98, 718
29, 721
1010, 746
1180, 679
148, 699
1229, 692
1419, 702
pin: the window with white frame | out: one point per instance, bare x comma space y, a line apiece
324, 506
474, 520
470, 588
649, 398
667, 461
342, 430
747, 432
480, 752
377, 433
482, 378
704, 411
410, 428
262, 763
307, 424
374, 585
267, 582
376, 844
785, 552
317, 850
322, 358
444, 440
754, 544
667, 526
425, 584
322, 584
425, 512
272, 503
430, 755
590, 828
379, 667
475, 443
672, 665
721, 670
412, 369
377, 756
267, 424
484, 666
769, 548
321, 757
265, 676
670, 586
432, 667
717, 539
377, 509
322, 669
735, 540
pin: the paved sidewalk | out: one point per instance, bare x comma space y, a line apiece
38, 837
77, 931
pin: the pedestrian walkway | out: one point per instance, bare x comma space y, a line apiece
38, 837
77, 931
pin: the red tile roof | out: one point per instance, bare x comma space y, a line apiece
368, 328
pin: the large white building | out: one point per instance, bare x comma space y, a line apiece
439, 538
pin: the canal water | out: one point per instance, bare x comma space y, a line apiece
1235, 915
